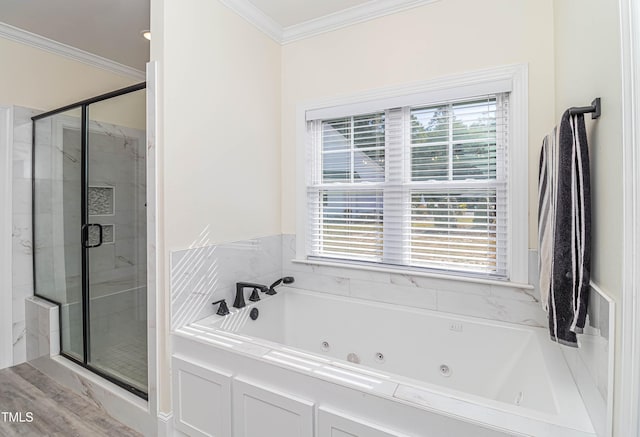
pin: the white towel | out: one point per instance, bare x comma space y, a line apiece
546, 213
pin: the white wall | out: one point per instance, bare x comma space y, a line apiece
222, 126
127, 110
38, 79
219, 136
587, 44
435, 40
588, 65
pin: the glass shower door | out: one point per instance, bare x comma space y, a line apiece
57, 219
89, 231
116, 256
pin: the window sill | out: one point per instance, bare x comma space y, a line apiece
407, 272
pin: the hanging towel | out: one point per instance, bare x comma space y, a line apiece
546, 213
564, 228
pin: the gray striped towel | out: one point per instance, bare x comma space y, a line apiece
564, 228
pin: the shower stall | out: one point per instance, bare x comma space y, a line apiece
89, 231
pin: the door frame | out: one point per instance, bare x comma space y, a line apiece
6, 244
627, 401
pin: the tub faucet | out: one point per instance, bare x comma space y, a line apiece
240, 286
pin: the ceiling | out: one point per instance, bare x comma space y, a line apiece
290, 12
107, 28
111, 28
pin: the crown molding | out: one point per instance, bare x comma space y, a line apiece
327, 23
31, 39
347, 17
255, 16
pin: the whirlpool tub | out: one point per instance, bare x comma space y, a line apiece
337, 366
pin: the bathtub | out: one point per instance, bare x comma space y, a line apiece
497, 378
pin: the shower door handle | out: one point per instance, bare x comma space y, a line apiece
85, 235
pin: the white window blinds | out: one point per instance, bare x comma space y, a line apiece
416, 186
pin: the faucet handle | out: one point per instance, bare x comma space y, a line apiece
223, 310
255, 296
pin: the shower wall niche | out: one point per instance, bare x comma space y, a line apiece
90, 232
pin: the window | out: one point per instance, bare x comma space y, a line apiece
424, 184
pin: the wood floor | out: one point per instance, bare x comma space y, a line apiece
56, 411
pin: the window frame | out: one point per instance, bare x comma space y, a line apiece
512, 79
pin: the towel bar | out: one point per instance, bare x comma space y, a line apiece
595, 109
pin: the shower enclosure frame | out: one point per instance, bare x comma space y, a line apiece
86, 337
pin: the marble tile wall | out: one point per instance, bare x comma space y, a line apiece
57, 209
206, 273
117, 168
494, 302
22, 275
117, 190
592, 363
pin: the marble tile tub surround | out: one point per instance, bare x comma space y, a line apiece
486, 301
206, 273
22, 249
592, 363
